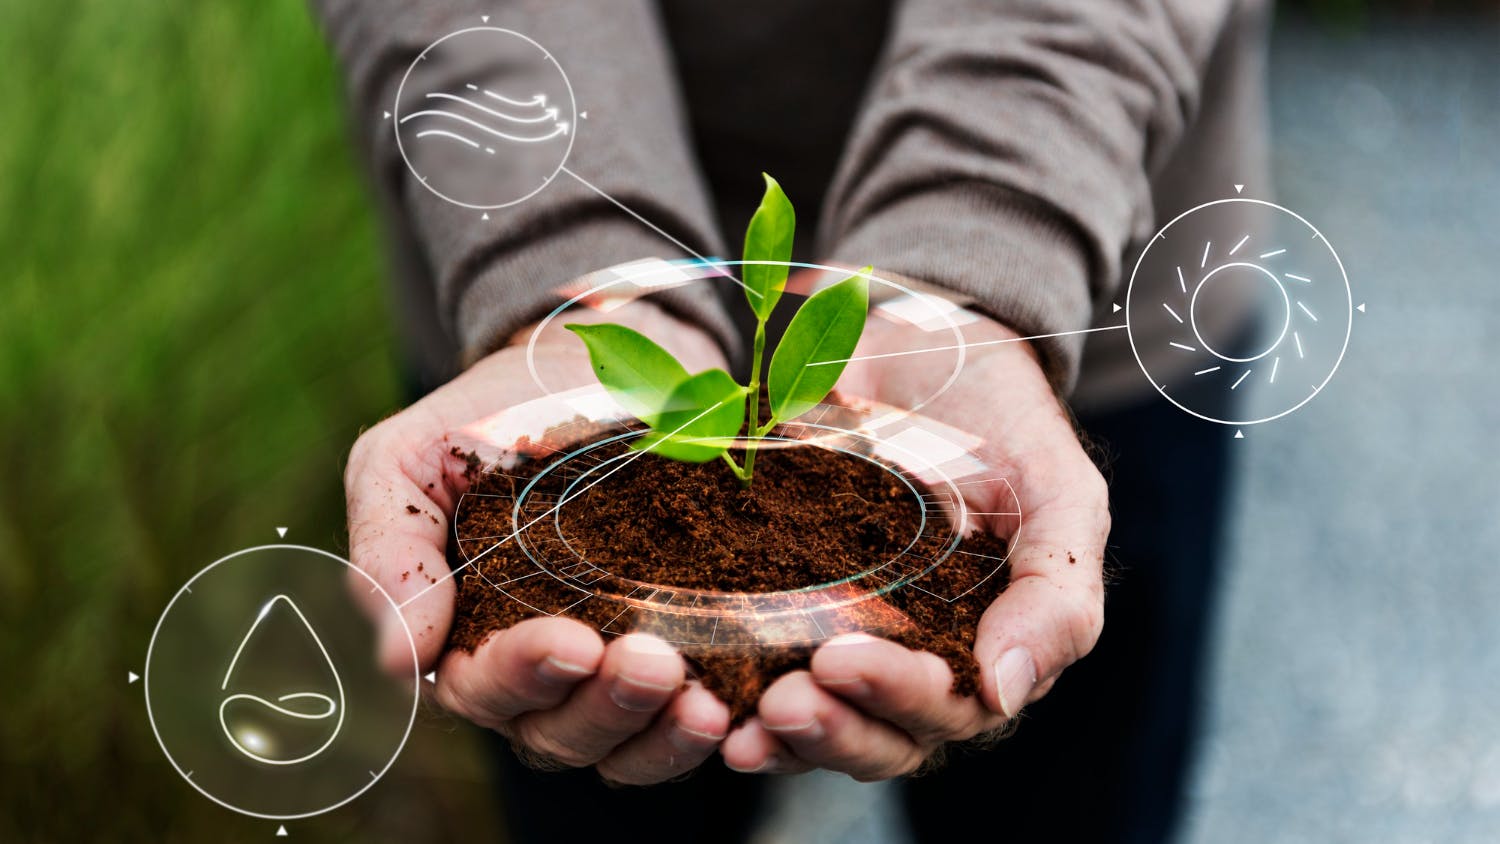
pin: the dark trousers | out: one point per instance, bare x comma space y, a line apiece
1102, 758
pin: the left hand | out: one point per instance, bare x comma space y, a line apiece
873, 709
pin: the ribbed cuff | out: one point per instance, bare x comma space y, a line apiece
523, 284
1023, 264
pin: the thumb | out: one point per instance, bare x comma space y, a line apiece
1052, 613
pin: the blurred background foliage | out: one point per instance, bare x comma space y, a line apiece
194, 328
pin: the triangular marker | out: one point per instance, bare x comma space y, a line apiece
1116, 309
1239, 435
431, 677
281, 532
281, 831
484, 216
485, 18
131, 676
387, 115
583, 115
1361, 308
1239, 188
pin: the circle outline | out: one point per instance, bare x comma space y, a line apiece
416, 681
573, 121
1286, 302
551, 568
1348, 318
960, 349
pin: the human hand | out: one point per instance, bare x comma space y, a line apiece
551, 685
873, 709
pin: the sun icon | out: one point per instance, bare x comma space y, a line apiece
1234, 294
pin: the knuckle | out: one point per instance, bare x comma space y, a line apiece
1084, 619
616, 773
364, 448
847, 752
897, 766
450, 699
1094, 489
446, 698
637, 772
550, 748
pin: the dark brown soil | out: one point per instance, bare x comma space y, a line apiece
812, 517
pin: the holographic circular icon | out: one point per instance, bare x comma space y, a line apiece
484, 117
1239, 293
263, 686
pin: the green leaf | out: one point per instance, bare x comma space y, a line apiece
769, 238
707, 408
639, 374
826, 328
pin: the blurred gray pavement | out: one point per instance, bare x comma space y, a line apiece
1356, 677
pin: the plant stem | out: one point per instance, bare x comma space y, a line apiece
752, 418
735, 468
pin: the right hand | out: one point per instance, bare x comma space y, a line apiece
551, 685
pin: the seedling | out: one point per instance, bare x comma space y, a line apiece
697, 418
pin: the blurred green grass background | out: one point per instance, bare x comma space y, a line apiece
194, 330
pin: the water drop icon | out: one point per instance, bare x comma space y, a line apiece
277, 732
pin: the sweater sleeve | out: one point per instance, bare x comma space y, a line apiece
492, 277
1005, 151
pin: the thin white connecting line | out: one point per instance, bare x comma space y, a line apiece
556, 507
652, 226
966, 345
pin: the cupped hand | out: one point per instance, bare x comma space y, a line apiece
873, 709
551, 685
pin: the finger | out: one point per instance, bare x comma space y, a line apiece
1052, 612
828, 733
534, 665
910, 689
687, 733
639, 675
397, 535
750, 749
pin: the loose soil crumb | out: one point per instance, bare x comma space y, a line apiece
812, 516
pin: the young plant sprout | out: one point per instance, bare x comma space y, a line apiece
697, 418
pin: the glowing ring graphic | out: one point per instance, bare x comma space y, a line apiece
397, 119
1286, 301
715, 268
375, 775
1311, 267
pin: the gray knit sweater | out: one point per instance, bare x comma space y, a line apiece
1019, 152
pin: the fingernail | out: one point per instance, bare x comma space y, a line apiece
809, 731
556, 672
689, 740
641, 644
638, 695
766, 767
1015, 676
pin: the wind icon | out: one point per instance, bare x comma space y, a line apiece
465, 119
295, 726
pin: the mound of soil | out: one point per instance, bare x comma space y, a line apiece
812, 516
